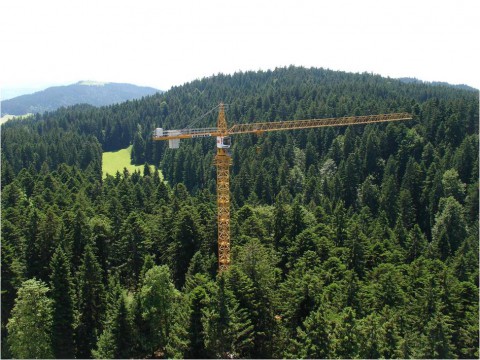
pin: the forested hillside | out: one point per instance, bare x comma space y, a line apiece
353, 242
83, 92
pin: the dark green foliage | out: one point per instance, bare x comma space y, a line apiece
115, 342
346, 242
228, 329
345, 338
63, 306
195, 330
186, 238
314, 336
436, 342
91, 303
450, 228
138, 149
130, 250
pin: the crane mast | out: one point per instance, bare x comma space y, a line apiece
223, 159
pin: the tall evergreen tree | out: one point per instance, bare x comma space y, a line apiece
450, 228
436, 341
187, 236
258, 263
115, 342
314, 336
63, 306
196, 332
345, 341
228, 330
91, 303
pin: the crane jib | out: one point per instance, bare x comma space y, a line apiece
223, 158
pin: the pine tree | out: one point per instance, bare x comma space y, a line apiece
115, 342
407, 209
47, 240
465, 157
297, 220
436, 341
32, 257
280, 225
452, 185
450, 228
340, 223
63, 306
138, 149
135, 242
228, 330
12, 270
350, 177
356, 243
91, 303
78, 235
196, 333
258, 263
390, 342
313, 337
178, 342
388, 199
369, 336
416, 243
345, 341
187, 236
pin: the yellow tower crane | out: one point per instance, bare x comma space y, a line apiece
223, 159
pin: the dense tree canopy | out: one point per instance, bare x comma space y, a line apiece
346, 242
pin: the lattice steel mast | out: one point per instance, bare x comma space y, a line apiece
223, 159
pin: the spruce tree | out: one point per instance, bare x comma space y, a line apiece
115, 342
91, 303
196, 333
63, 306
369, 337
313, 337
345, 340
450, 228
436, 340
356, 243
416, 244
229, 331
187, 236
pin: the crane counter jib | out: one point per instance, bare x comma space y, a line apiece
223, 159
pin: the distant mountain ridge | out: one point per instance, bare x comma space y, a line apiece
83, 92
410, 80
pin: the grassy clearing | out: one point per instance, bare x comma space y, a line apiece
114, 161
7, 117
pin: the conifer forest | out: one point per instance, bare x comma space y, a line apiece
347, 242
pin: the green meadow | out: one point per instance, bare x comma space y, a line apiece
114, 161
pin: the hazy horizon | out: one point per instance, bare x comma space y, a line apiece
10, 93
158, 44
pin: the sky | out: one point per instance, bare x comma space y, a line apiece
162, 43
